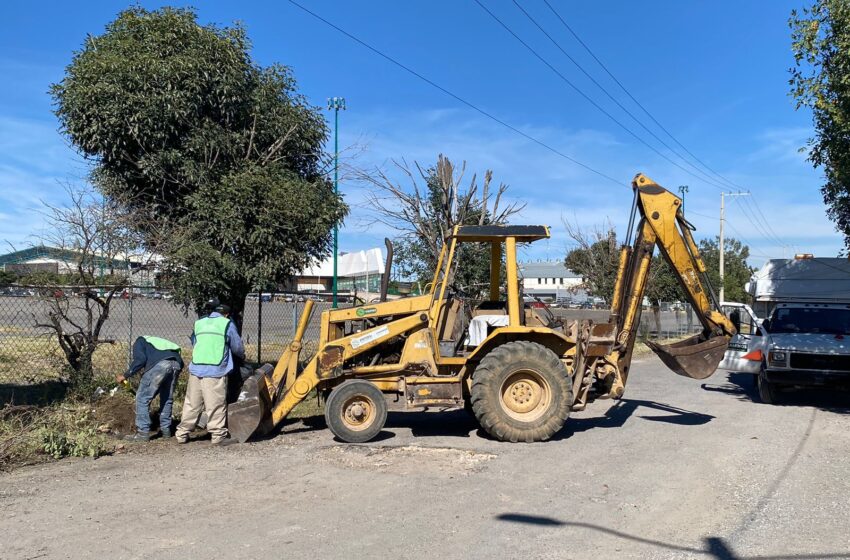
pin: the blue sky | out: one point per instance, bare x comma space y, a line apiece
713, 73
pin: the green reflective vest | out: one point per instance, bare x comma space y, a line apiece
210, 341
162, 344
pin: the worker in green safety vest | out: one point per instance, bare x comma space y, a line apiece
159, 360
216, 347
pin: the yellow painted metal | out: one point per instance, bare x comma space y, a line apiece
616, 300
287, 365
402, 306
512, 282
662, 211
351, 345
444, 282
495, 269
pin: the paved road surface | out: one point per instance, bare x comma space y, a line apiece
678, 469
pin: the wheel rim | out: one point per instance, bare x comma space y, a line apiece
525, 395
358, 413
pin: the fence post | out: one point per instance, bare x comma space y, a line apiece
260, 328
130, 342
294, 315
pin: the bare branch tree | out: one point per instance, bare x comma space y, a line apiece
92, 236
425, 204
594, 255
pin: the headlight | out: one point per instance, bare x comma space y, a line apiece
777, 357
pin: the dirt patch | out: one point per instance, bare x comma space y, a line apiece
115, 414
405, 460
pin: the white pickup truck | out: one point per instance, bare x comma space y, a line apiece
800, 344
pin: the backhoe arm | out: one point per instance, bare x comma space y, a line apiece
662, 224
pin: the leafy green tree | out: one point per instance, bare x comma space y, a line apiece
820, 80
218, 160
736, 270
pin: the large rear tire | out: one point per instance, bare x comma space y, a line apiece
356, 411
521, 391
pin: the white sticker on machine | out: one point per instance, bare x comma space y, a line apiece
369, 337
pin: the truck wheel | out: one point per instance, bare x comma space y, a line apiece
356, 411
521, 392
768, 393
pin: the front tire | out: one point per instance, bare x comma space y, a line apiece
768, 392
521, 391
356, 411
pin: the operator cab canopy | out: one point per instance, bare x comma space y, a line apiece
495, 233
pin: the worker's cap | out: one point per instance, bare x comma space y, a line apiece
222, 308
212, 304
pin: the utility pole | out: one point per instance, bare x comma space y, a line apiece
682, 190
722, 248
336, 104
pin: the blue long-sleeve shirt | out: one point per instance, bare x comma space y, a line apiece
234, 346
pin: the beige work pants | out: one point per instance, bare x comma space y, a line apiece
205, 393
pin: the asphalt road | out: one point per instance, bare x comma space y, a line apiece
678, 469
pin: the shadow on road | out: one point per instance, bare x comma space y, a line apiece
743, 386
714, 547
623, 409
452, 423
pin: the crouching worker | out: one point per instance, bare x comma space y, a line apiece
161, 363
216, 342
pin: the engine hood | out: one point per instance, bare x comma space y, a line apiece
810, 343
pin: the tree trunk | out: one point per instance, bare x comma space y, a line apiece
656, 313
236, 301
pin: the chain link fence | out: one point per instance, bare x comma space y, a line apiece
30, 353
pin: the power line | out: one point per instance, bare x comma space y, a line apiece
740, 235
455, 96
591, 101
754, 222
607, 93
628, 93
764, 221
749, 244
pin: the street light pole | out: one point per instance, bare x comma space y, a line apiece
683, 189
336, 104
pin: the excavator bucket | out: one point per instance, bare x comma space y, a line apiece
247, 413
696, 357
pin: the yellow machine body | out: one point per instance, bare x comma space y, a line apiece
523, 377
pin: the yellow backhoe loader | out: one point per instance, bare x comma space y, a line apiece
519, 369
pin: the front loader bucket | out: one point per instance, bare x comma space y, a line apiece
247, 413
695, 357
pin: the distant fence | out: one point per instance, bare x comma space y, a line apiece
30, 354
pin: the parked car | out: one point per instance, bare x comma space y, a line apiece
800, 344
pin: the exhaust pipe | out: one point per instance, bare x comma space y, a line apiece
385, 279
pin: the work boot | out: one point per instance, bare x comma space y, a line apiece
138, 437
224, 442
181, 440
165, 434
